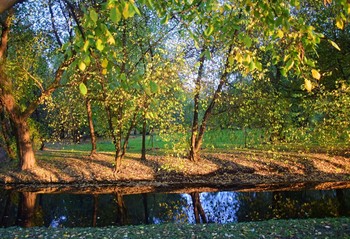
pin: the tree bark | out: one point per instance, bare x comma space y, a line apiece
7, 4
199, 130
91, 127
195, 124
24, 145
6, 133
144, 128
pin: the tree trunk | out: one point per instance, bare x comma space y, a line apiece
195, 124
91, 127
24, 145
144, 128
198, 130
5, 129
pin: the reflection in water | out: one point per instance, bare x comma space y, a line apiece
29, 209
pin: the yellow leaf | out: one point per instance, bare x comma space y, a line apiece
104, 63
339, 23
126, 11
335, 45
316, 74
82, 66
280, 33
308, 85
104, 72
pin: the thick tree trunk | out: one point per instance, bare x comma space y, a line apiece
117, 162
91, 127
24, 145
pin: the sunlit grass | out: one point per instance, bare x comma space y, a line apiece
214, 139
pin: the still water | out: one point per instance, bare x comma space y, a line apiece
114, 209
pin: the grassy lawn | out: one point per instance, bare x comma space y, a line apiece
215, 139
278, 229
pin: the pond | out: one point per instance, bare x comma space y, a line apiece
74, 209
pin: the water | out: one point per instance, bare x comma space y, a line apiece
29, 209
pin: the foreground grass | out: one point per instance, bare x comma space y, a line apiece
310, 228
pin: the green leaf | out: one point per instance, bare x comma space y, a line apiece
258, 66
82, 66
123, 77
289, 64
207, 54
87, 60
149, 3
93, 15
135, 8
82, 88
335, 45
165, 19
209, 30
247, 41
251, 65
115, 15
231, 60
154, 87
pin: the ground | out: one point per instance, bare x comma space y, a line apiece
274, 229
236, 169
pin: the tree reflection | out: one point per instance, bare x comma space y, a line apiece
145, 208
28, 214
94, 210
7, 207
121, 210
199, 213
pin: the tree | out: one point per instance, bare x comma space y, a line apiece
18, 111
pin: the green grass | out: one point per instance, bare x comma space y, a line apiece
278, 229
213, 139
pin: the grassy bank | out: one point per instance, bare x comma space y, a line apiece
310, 228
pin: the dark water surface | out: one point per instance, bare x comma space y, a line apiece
85, 210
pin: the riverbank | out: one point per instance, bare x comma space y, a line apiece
241, 169
277, 229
